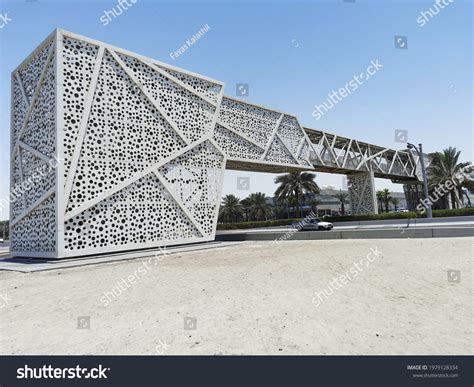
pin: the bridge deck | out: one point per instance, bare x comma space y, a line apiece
338, 154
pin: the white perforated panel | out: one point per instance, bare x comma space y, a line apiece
142, 212
124, 135
78, 63
279, 153
37, 231
235, 145
144, 148
253, 121
362, 193
194, 179
40, 131
39, 173
17, 205
30, 72
19, 108
290, 133
192, 115
249, 132
32, 211
141, 170
201, 86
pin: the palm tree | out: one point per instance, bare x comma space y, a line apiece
446, 166
342, 196
294, 185
246, 204
231, 209
292, 203
259, 208
284, 203
380, 196
278, 211
395, 202
386, 198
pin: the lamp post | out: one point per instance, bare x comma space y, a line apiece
419, 150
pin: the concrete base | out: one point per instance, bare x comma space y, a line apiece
27, 265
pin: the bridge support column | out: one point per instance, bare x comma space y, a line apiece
362, 193
413, 193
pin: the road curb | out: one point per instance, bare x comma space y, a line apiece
400, 233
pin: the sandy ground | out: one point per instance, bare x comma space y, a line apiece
252, 298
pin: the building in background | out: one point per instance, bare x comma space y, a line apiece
328, 204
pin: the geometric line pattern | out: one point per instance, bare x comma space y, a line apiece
362, 193
33, 134
143, 147
337, 154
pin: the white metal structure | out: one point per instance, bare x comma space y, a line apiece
142, 148
114, 151
361, 162
337, 154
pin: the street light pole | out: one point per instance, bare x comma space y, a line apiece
419, 150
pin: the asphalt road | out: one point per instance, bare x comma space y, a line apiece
464, 221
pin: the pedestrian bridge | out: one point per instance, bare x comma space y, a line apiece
265, 140
258, 130
143, 147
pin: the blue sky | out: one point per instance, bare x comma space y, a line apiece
292, 54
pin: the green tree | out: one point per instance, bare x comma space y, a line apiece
259, 208
284, 205
386, 198
246, 204
395, 202
446, 166
380, 197
295, 185
342, 196
231, 209
4, 229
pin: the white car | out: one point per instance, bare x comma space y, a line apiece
313, 225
